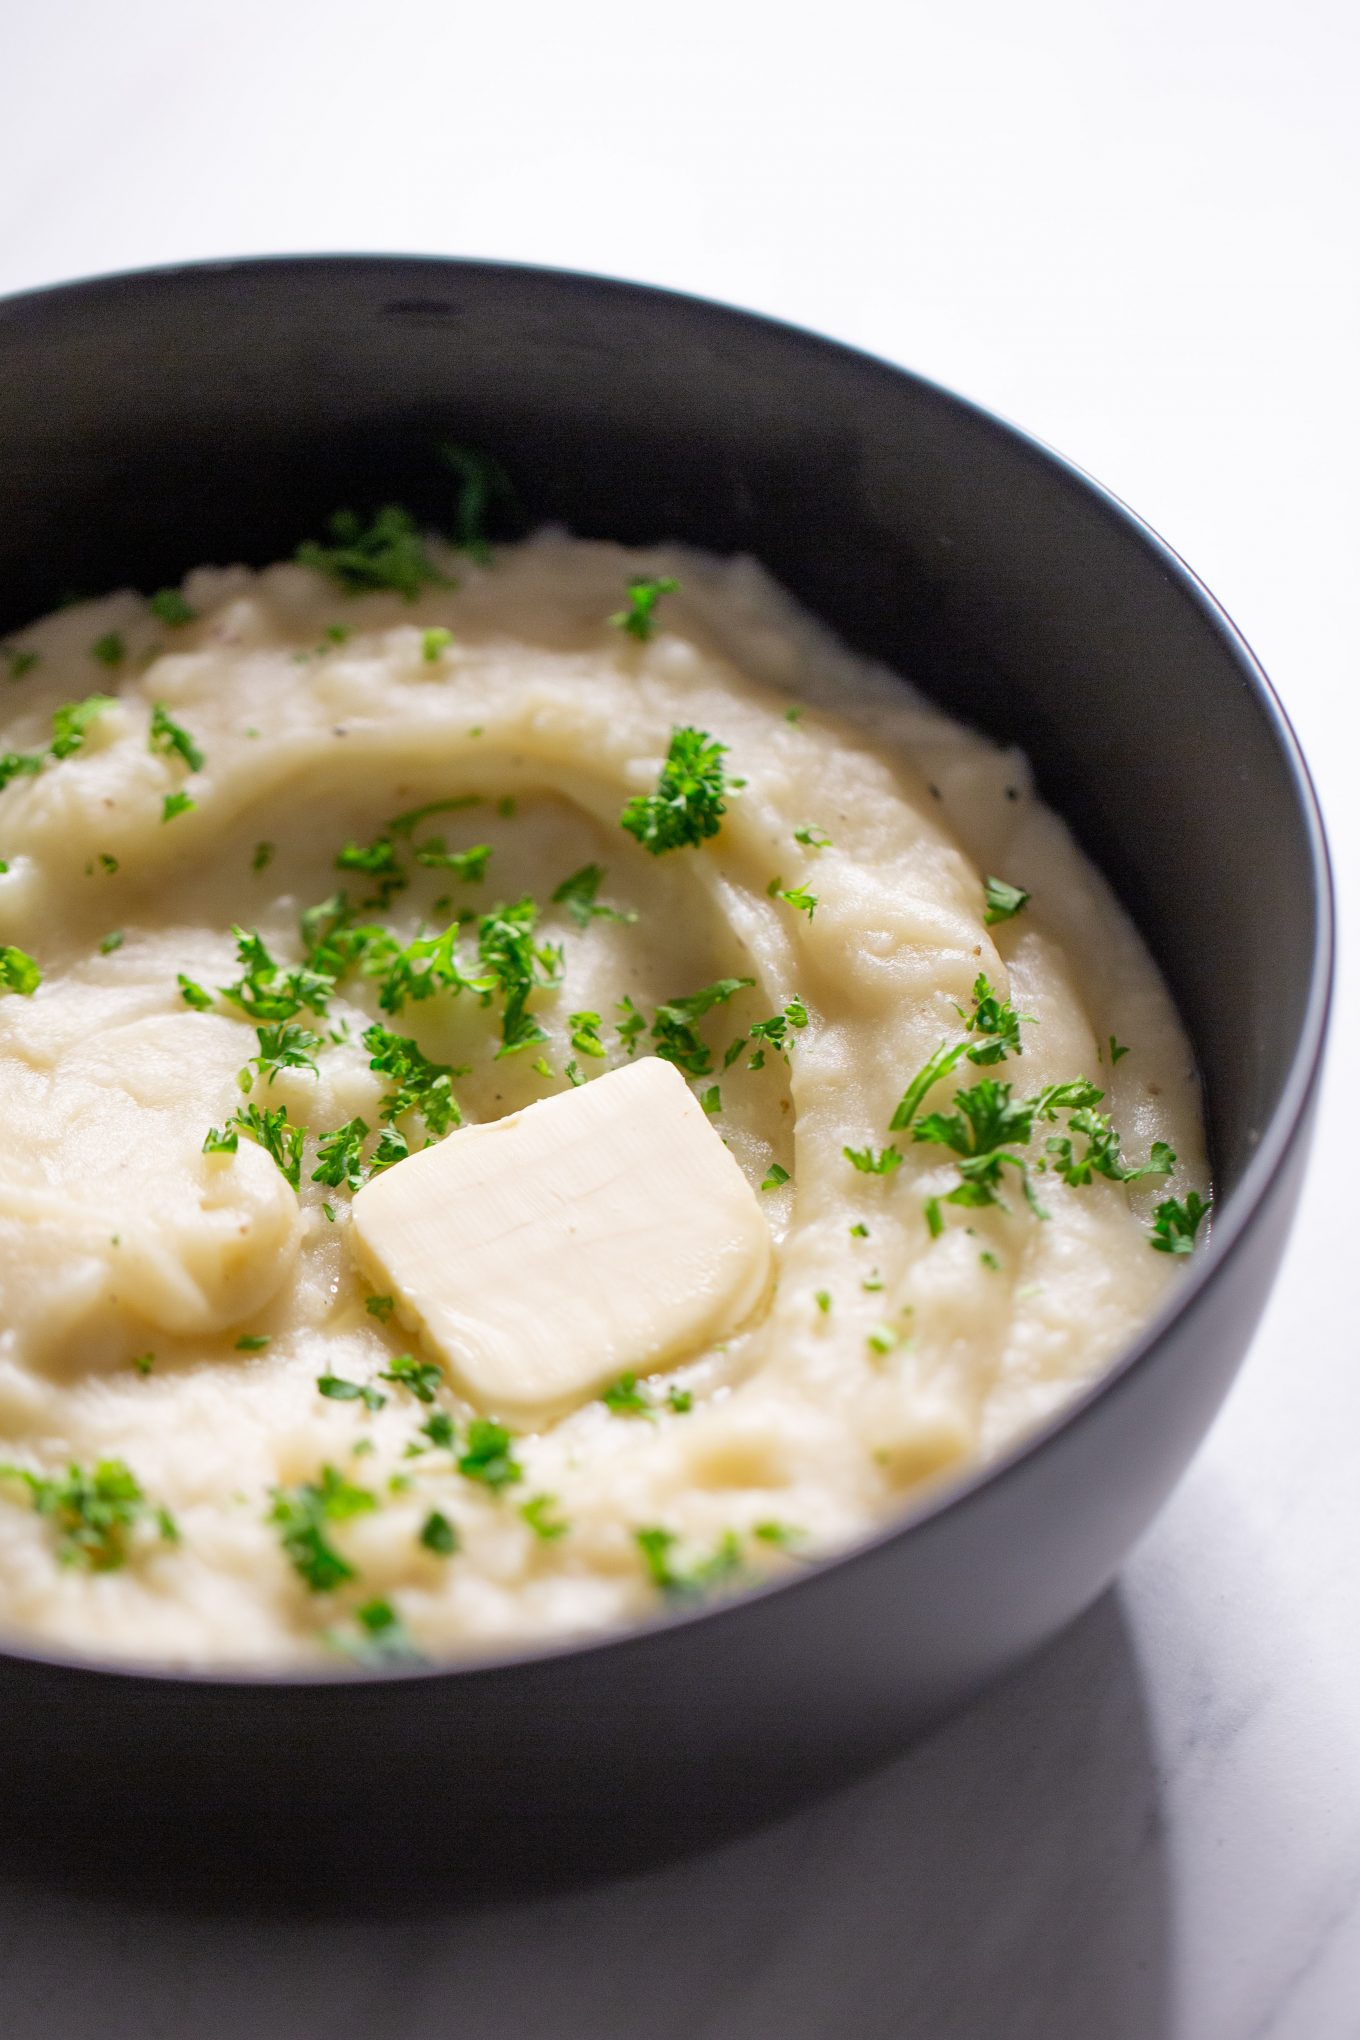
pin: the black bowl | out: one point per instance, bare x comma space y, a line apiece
219, 412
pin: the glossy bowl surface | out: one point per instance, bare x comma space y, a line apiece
219, 411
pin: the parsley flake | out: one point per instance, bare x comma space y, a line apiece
488, 1457
1004, 901
438, 1535
176, 804
69, 724
337, 1389
339, 1156
276, 1135
18, 972
92, 1511
109, 649
170, 607
538, 1514
1174, 1224
796, 896
434, 643
419, 1085
687, 807
639, 618
172, 739
303, 1514
421, 1377
388, 552
673, 1029
778, 1174
577, 895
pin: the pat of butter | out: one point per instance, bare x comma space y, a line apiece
601, 1232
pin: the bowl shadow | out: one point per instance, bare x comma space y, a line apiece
1006, 1875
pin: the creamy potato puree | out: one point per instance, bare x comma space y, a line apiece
140, 1277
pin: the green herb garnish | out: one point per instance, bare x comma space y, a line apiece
69, 724
273, 1132
176, 804
797, 896
778, 1174
339, 1156
1174, 1224
438, 1535
18, 972
434, 643
109, 649
303, 1515
388, 552
172, 739
92, 1511
577, 895
673, 1029
337, 1389
421, 1377
170, 607
1003, 901
419, 1085
688, 806
285, 1046
639, 618
538, 1514
870, 1164
488, 1457
724, 1568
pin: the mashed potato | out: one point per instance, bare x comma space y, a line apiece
219, 1447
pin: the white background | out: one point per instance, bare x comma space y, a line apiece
1131, 226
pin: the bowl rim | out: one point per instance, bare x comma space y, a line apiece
1284, 1125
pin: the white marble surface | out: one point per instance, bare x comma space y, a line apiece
1132, 227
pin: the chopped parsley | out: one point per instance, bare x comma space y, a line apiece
108, 865
1174, 1224
778, 1174
421, 1377
1003, 901
109, 649
170, 607
144, 1362
221, 1141
998, 1023
382, 1638
285, 1046
812, 839
176, 804
418, 1085
92, 1511
483, 483
273, 1132
796, 896
262, 856
434, 643
337, 1389
688, 805
18, 972
538, 1514
392, 1147
723, 1568
252, 1342
303, 1515
984, 1132
488, 1457
113, 940
869, 1164
14, 763
193, 994
465, 864
516, 964
339, 1156
379, 1307
773, 1033
628, 1397
681, 1400
1118, 1049
711, 1101
585, 1033
388, 552
405, 824
266, 990
673, 1029
69, 724
438, 1428
438, 1535
822, 1299
172, 739
881, 1338
639, 618
631, 1026
19, 662
577, 895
